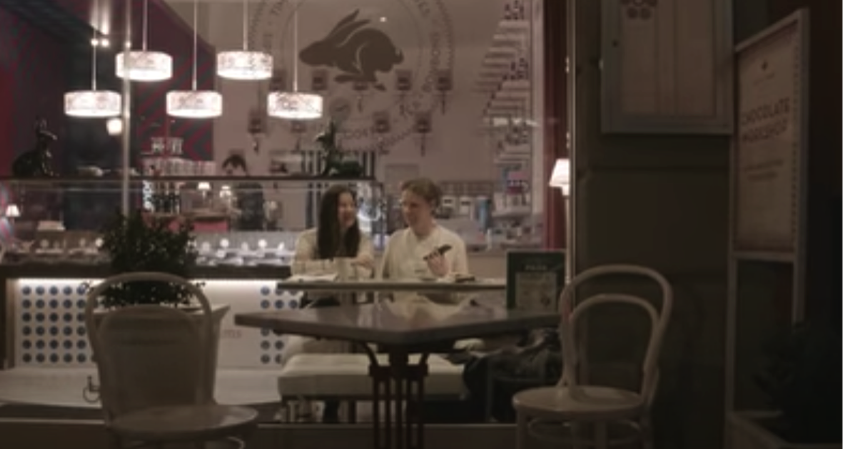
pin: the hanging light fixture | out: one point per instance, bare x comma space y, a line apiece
244, 64
144, 65
294, 105
194, 104
93, 103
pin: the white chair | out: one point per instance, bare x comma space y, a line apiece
153, 364
568, 405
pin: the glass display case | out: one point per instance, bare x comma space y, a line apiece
238, 222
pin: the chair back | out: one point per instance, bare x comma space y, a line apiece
150, 355
659, 320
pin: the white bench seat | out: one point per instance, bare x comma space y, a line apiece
346, 376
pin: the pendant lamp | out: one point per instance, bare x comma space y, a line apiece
294, 105
144, 65
244, 64
194, 104
93, 103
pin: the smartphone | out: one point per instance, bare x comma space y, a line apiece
441, 250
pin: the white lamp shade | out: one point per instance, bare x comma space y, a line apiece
12, 210
97, 104
561, 176
204, 186
144, 66
294, 105
194, 104
244, 65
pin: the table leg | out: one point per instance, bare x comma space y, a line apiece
407, 430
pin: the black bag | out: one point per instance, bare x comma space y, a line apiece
493, 379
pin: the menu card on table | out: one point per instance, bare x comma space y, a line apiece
534, 279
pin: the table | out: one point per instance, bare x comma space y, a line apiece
399, 328
410, 285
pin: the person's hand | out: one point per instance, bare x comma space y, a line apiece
364, 261
437, 264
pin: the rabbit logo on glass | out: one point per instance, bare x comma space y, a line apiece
358, 50
363, 45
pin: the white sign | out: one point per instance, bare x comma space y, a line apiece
769, 141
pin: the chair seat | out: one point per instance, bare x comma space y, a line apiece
346, 375
580, 402
184, 423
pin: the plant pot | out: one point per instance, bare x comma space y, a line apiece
218, 312
751, 429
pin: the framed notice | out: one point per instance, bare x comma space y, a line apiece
770, 142
534, 279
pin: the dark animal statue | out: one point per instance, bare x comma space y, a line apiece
37, 162
359, 52
335, 164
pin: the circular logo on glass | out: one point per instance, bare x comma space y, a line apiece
376, 63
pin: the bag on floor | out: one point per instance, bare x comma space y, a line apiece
493, 379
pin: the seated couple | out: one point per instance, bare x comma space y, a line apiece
410, 253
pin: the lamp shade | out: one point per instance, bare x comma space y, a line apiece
244, 65
98, 104
12, 210
144, 65
194, 104
561, 176
294, 105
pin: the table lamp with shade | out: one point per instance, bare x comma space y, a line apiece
12, 211
561, 176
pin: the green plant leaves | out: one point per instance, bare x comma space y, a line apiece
144, 243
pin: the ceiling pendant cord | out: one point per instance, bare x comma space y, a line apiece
245, 25
145, 23
195, 38
94, 44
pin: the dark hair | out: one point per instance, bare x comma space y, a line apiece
330, 242
236, 162
424, 188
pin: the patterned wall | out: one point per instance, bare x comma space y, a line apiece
50, 322
32, 70
32, 82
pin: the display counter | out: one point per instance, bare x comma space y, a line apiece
44, 324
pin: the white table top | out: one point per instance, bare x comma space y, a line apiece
399, 323
410, 285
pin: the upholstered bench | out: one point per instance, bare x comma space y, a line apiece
345, 376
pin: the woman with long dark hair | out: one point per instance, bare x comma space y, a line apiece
337, 236
318, 251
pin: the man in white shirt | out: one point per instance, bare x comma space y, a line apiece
415, 252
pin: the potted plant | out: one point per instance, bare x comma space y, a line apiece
143, 243
801, 377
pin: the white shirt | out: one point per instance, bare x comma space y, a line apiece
405, 253
404, 258
306, 259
